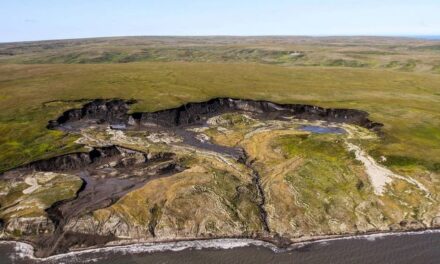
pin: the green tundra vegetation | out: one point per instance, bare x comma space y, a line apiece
400, 54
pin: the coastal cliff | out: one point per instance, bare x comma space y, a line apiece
222, 168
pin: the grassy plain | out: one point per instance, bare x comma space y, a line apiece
394, 79
399, 54
407, 103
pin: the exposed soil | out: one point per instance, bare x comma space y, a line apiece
108, 173
115, 112
102, 186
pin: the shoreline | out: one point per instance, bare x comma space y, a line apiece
25, 250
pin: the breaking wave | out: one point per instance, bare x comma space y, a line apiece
24, 251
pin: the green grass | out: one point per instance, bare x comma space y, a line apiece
327, 182
405, 102
326, 161
330, 184
321, 146
240, 199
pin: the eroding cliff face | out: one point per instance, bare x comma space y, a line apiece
115, 112
221, 168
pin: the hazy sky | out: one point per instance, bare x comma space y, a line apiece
55, 19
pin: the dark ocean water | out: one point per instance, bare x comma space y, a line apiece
402, 249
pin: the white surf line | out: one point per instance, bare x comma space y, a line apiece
371, 237
23, 250
380, 176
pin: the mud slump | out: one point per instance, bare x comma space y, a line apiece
102, 186
110, 172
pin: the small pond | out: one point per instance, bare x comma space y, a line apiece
322, 129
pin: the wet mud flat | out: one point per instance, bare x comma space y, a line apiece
110, 172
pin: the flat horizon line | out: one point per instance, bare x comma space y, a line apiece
405, 36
